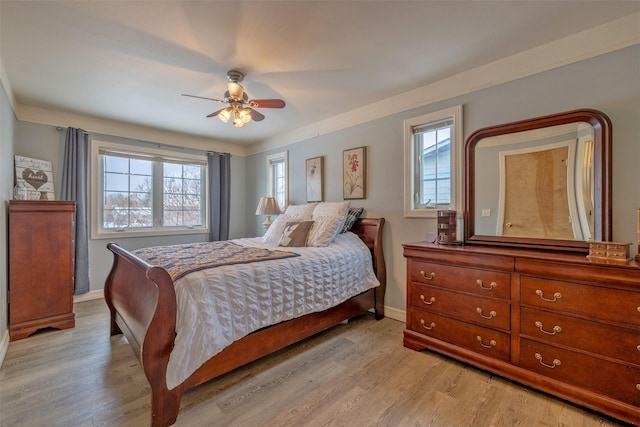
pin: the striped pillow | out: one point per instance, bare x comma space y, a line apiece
352, 217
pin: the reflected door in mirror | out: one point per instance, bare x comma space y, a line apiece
535, 195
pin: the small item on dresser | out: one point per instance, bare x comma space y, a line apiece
609, 252
446, 234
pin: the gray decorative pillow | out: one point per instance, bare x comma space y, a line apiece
295, 234
352, 217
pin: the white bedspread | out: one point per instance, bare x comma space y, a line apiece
221, 305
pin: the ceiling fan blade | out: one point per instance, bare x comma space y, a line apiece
215, 113
256, 116
202, 97
267, 103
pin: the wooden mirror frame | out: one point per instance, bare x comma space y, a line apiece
601, 180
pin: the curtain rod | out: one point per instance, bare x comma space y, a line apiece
61, 129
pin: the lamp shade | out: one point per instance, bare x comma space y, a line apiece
268, 206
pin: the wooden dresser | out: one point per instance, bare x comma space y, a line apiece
40, 266
554, 321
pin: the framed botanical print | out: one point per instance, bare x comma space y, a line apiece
354, 173
314, 176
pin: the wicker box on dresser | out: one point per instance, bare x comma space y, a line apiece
554, 321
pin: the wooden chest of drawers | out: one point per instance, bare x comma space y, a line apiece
556, 322
40, 266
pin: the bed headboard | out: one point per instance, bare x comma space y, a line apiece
370, 231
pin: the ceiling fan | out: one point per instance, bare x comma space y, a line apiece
240, 108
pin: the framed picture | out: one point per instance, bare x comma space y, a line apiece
34, 179
314, 175
354, 173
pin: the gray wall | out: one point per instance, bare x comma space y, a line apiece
7, 138
609, 83
47, 143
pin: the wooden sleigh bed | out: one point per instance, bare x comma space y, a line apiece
142, 301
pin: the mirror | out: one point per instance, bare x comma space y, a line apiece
542, 183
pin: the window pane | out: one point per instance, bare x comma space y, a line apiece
182, 198
116, 164
141, 218
173, 170
434, 184
127, 189
116, 182
141, 167
141, 183
279, 182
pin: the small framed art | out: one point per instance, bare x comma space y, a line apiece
34, 179
354, 173
314, 176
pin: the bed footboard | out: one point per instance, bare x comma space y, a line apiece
142, 302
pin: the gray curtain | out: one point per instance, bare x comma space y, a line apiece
74, 187
219, 171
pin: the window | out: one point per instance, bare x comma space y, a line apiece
277, 178
147, 192
433, 171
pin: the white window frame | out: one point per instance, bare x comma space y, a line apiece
271, 160
411, 209
98, 232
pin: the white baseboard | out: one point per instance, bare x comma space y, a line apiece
89, 296
4, 346
395, 314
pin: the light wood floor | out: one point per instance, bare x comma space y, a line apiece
356, 374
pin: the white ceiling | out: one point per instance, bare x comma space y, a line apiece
130, 61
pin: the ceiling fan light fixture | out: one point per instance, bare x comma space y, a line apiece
245, 115
235, 91
225, 114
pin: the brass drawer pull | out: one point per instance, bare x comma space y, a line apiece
556, 329
638, 347
638, 387
491, 286
424, 324
555, 362
491, 315
424, 300
556, 296
491, 344
429, 277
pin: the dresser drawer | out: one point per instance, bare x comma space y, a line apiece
495, 313
612, 379
481, 282
596, 302
615, 342
482, 340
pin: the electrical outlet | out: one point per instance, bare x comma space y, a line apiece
486, 212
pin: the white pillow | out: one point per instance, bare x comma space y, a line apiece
303, 211
338, 209
273, 234
324, 230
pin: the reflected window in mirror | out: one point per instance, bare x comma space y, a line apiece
433, 163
